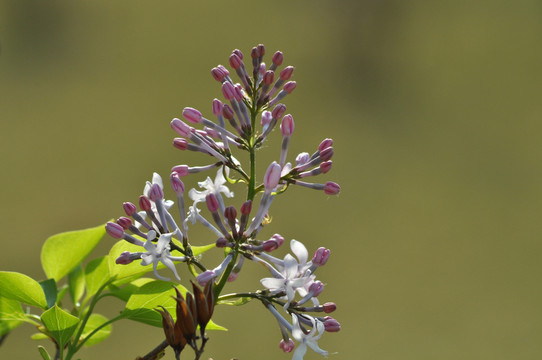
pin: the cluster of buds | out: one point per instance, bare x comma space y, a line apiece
292, 283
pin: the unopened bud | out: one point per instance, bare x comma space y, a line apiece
246, 208
302, 158
331, 325
205, 277
325, 144
235, 61
272, 176
331, 188
217, 107
266, 118
221, 242
326, 154
289, 86
114, 230
212, 202
124, 222
230, 213
180, 143
316, 288
286, 73
238, 53
228, 90
180, 127
181, 170
218, 74
287, 125
278, 58
124, 258
227, 112
176, 183
261, 49
325, 166
270, 245
287, 347
238, 93
329, 307
321, 256
129, 208
156, 193
278, 111
278, 238
144, 203
268, 77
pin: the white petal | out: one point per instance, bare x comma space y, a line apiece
300, 251
157, 179
154, 268
146, 259
219, 179
170, 265
272, 283
314, 346
300, 352
290, 267
297, 333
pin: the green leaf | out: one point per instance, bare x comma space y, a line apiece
11, 315
140, 307
96, 274
235, 302
198, 250
39, 336
93, 322
212, 326
50, 291
44, 354
61, 253
124, 293
76, 282
22, 288
60, 324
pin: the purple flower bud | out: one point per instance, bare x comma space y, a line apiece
124, 258
321, 256
192, 115
325, 166
325, 144
268, 77
331, 188
205, 277
278, 111
329, 307
331, 325
272, 176
180, 127
238, 53
255, 53
278, 238
227, 112
261, 49
228, 90
266, 118
181, 170
217, 107
238, 93
221, 242
230, 213
176, 183
326, 154
302, 158
180, 143
286, 73
114, 230
278, 58
316, 288
289, 86
235, 61
223, 69
212, 202
287, 125
129, 208
156, 193
124, 222
246, 208
261, 70
287, 347
144, 203
218, 74
270, 245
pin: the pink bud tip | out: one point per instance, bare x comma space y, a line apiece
316, 288
238, 53
124, 222
124, 258
246, 208
192, 115
235, 61
233, 276
255, 53
270, 245
238, 93
261, 49
129, 208
329, 307
217, 107
321, 256
156, 193
223, 69
227, 112
181, 170
269, 77
262, 68
325, 166
287, 125
144, 203
180, 143
287, 347
205, 277
272, 176
212, 202
114, 230
176, 183
218, 74
230, 213
266, 117
278, 238
289, 86
180, 127
278, 58
325, 144
331, 188
331, 325
326, 154
221, 242
302, 158
228, 90
278, 111
286, 73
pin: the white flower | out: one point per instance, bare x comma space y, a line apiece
211, 187
156, 179
310, 339
159, 252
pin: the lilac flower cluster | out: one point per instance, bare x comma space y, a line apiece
292, 282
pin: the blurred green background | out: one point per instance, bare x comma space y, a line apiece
435, 111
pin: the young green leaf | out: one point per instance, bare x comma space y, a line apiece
76, 282
61, 253
60, 324
22, 288
93, 322
96, 274
11, 315
44, 354
235, 302
123, 293
50, 291
198, 250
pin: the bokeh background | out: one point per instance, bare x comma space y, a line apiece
435, 110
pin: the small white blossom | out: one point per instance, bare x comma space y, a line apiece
211, 187
310, 339
159, 252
